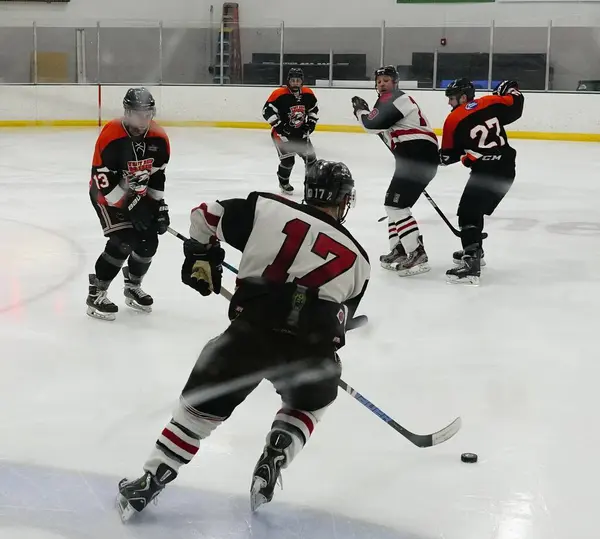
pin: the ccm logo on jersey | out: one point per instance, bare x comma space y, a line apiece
136, 166
297, 114
491, 158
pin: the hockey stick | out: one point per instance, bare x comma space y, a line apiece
455, 231
420, 440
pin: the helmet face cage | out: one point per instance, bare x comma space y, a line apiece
298, 74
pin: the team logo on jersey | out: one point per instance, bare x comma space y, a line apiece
471, 105
297, 115
136, 166
373, 114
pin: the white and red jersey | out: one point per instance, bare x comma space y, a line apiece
285, 242
398, 117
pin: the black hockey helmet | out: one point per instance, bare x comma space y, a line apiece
329, 184
462, 86
390, 71
295, 73
140, 108
139, 99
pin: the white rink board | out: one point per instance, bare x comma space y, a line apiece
544, 112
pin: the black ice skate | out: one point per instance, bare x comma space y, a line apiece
268, 469
469, 271
286, 188
415, 262
135, 495
135, 297
393, 258
99, 306
457, 257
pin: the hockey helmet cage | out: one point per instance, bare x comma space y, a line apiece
328, 183
462, 86
295, 73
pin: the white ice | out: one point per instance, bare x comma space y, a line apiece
82, 401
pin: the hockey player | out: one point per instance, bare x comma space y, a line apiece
301, 278
474, 134
127, 192
292, 112
399, 121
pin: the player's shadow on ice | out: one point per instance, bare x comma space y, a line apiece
51, 503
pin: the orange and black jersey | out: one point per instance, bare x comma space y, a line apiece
118, 156
475, 131
297, 112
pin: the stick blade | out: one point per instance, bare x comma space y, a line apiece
447, 432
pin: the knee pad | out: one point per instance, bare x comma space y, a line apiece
146, 246
119, 245
287, 162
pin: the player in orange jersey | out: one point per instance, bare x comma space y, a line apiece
474, 134
292, 112
127, 192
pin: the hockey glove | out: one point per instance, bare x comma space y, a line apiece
141, 213
162, 219
359, 105
281, 129
505, 87
202, 268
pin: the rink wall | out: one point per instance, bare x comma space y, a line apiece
549, 116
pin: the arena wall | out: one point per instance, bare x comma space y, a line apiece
551, 116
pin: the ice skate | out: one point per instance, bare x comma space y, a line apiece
469, 271
457, 257
135, 495
415, 263
286, 188
268, 469
99, 306
135, 297
393, 258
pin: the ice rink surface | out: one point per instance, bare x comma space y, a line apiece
517, 358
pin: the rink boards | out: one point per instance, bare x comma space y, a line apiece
547, 116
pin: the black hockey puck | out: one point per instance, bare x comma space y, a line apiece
468, 457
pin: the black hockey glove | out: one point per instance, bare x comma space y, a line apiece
162, 219
359, 104
202, 268
282, 129
141, 213
505, 86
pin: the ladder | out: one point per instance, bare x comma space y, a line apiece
228, 43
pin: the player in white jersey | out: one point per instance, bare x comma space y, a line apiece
301, 278
398, 120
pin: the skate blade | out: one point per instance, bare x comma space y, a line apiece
256, 498
415, 270
471, 280
136, 306
94, 313
124, 508
458, 262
